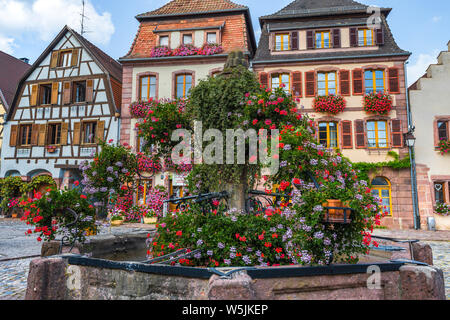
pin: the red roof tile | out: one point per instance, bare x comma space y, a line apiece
193, 6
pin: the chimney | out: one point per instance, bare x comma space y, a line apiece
26, 60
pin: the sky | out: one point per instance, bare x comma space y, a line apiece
28, 26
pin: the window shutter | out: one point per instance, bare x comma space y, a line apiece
100, 130
360, 133
310, 39
34, 95
54, 59
394, 81
336, 38
310, 83
67, 92
89, 90
34, 134
75, 54
397, 135
294, 40
76, 133
357, 82
347, 139
264, 79
379, 37
13, 136
344, 79
297, 84
64, 132
55, 92
42, 132
353, 37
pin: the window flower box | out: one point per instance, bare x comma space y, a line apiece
442, 216
444, 147
51, 149
147, 164
329, 104
378, 103
341, 215
187, 50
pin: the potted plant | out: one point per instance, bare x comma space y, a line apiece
442, 216
150, 216
334, 200
444, 147
116, 220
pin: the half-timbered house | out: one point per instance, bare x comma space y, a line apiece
66, 103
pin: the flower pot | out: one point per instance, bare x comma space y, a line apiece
442, 222
150, 220
336, 215
116, 223
14, 216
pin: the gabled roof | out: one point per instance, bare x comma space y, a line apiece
11, 71
310, 8
108, 65
184, 7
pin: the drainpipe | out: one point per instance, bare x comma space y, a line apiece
411, 129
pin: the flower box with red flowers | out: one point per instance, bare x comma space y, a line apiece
51, 149
444, 147
187, 50
142, 109
378, 103
147, 164
329, 104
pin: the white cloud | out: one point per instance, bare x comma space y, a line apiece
436, 19
6, 44
419, 68
45, 18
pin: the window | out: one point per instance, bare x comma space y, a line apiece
442, 130
79, 91
147, 87
54, 134
377, 134
382, 189
164, 41
25, 135
187, 38
439, 192
374, 81
45, 94
183, 85
211, 37
89, 132
366, 37
65, 58
323, 39
282, 42
326, 83
283, 78
328, 134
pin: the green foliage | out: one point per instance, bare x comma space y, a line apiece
364, 169
236, 59
46, 212
38, 182
11, 187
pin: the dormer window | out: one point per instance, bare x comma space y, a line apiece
65, 59
164, 41
187, 38
282, 42
323, 39
211, 37
366, 37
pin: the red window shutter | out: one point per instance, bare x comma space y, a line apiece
353, 37
310, 39
264, 79
394, 80
294, 40
347, 139
310, 83
297, 84
360, 133
379, 37
358, 82
396, 132
344, 80
336, 38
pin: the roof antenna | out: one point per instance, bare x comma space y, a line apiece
83, 16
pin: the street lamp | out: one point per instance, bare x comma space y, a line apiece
410, 141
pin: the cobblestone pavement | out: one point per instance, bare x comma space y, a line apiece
441, 257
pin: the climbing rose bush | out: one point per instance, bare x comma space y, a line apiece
329, 104
378, 103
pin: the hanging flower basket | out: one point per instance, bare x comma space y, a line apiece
444, 147
147, 164
378, 103
178, 168
329, 104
